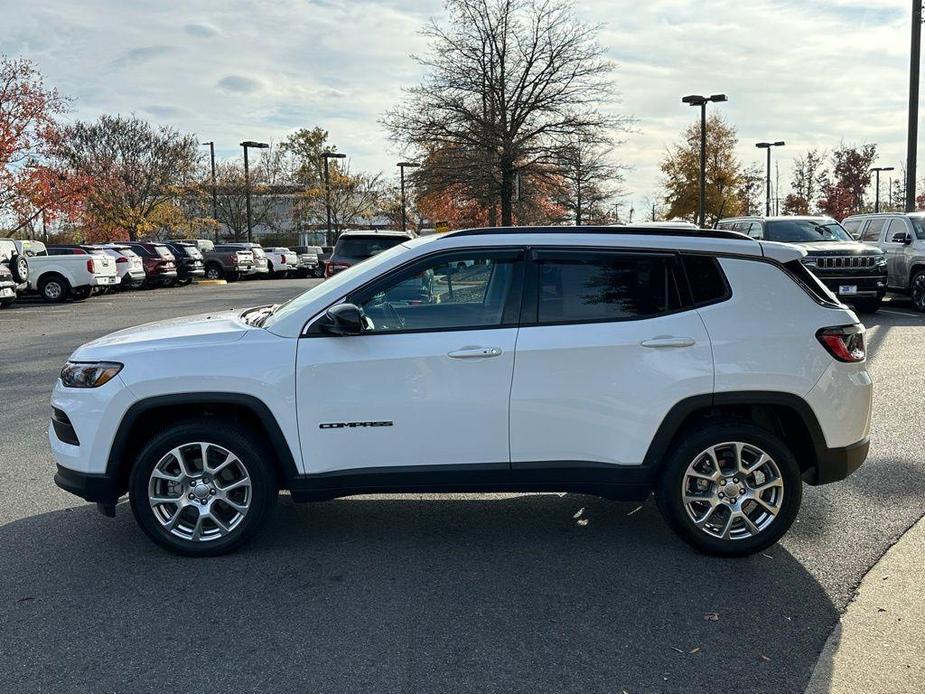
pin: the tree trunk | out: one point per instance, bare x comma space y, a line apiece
507, 192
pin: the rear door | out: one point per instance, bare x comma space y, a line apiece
428, 382
605, 349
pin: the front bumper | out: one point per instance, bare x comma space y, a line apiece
865, 286
7, 290
835, 464
100, 489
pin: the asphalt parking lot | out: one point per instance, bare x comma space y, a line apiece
424, 593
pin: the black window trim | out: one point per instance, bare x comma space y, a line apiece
529, 315
727, 294
509, 316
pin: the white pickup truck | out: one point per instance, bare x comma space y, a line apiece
63, 272
282, 262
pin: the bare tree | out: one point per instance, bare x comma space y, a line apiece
587, 179
232, 198
353, 197
507, 82
136, 169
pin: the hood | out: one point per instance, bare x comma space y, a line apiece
191, 331
839, 248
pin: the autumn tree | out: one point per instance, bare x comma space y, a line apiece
303, 151
507, 82
136, 170
681, 173
843, 193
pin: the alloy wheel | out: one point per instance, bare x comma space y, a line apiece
918, 291
732, 491
53, 290
200, 491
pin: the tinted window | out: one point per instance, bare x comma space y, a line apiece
707, 282
872, 232
459, 291
365, 246
918, 226
602, 286
804, 231
897, 226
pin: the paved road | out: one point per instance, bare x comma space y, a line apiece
427, 593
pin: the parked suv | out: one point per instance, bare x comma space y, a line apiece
902, 238
854, 272
712, 369
160, 264
355, 246
129, 266
189, 261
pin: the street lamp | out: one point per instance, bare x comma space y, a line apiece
768, 146
214, 189
877, 170
702, 101
247, 182
327, 186
402, 165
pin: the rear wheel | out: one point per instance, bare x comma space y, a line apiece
202, 490
54, 289
730, 489
918, 290
82, 293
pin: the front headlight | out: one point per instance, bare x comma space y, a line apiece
88, 374
880, 260
809, 261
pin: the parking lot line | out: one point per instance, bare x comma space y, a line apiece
899, 313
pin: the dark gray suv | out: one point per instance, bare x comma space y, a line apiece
355, 246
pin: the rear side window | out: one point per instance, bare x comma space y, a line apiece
873, 230
585, 287
706, 279
811, 284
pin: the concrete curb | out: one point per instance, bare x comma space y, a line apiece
879, 643
210, 283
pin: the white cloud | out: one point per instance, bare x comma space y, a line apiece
812, 73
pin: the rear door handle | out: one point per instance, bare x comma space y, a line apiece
475, 353
668, 342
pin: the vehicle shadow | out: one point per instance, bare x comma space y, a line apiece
399, 594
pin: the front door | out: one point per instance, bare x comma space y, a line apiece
896, 253
606, 353
428, 381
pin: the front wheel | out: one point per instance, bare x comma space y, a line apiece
918, 290
730, 489
214, 272
201, 490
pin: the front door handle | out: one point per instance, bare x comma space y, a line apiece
668, 342
475, 353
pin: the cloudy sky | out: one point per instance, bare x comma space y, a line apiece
811, 72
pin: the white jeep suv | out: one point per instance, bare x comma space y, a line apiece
709, 368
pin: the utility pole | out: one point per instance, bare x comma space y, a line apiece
247, 183
877, 170
913, 130
702, 101
768, 146
214, 186
402, 165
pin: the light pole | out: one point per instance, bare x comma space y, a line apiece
702, 101
214, 188
327, 187
768, 146
912, 134
876, 170
247, 182
402, 165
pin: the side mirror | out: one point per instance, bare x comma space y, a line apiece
856, 236
343, 319
902, 237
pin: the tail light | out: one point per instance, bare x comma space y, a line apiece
121, 259
332, 268
845, 343
90, 265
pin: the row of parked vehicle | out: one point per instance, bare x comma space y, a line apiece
76, 271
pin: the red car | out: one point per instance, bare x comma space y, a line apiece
160, 264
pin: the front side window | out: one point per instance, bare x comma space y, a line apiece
897, 226
588, 287
450, 292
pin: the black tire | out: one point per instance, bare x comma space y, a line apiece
81, 293
19, 266
246, 446
54, 289
868, 305
671, 483
6, 303
917, 290
214, 272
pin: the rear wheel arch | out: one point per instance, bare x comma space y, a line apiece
146, 418
783, 414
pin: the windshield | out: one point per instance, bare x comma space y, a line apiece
331, 285
805, 230
163, 251
365, 246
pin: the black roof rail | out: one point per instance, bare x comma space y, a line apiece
616, 231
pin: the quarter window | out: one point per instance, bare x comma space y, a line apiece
605, 287
451, 292
708, 285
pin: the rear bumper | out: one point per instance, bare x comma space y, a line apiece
835, 464
104, 281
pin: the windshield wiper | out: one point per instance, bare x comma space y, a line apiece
257, 316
